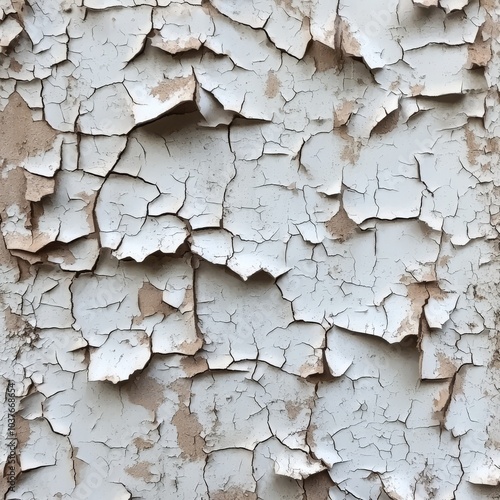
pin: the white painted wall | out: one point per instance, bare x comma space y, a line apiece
249, 249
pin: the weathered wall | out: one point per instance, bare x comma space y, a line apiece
250, 249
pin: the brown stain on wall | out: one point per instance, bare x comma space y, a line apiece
188, 427
174, 46
341, 226
13, 192
351, 151
21, 136
446, 368
193, 365
325, 57
479, 53
165, 89
490, 28
13, 322
151, 302
293, 409
417, 89
473, 149
23, 431
418, 295
89, 199
37, 186
141, 470
19, 8
343, 112
145, 391
143, 444
348, 42
233, 494
443, 261
309, 368
190, 348
311, 429
79, 466
440, 403
15, 66
188, 302
272, 85
435, 291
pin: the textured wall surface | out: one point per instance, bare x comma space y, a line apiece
249, 249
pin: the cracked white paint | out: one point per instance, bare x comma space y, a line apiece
250, 249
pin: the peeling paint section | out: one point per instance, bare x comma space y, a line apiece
249, 250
